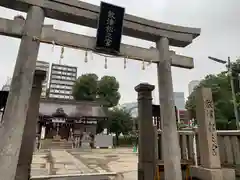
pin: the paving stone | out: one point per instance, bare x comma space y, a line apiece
39, 172
58, 166
38, 166
74, 172
70, 167
93, 165
61, 172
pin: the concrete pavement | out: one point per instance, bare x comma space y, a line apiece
60, 162
121, 160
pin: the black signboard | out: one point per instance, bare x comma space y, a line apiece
109, 32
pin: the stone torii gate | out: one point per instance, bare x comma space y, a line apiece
32, 32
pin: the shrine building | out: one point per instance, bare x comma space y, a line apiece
66, 118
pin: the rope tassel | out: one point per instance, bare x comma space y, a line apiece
105, 65
86, 57
61, 56
143, 65
125, 63
53, 45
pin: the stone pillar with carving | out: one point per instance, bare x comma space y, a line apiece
210, 168
146, 140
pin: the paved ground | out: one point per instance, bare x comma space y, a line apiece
111, 160
53, 162
56, 162
40, 164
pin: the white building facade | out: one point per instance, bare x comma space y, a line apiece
45, 66
62, 79
179, 100
192, 85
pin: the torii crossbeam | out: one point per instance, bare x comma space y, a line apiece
86, 14
14, 28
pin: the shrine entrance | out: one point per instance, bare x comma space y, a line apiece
111, 22
58, 130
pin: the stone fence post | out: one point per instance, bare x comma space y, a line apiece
146, 140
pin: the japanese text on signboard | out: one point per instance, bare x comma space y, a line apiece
109, 28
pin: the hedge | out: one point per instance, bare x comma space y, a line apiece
125, 141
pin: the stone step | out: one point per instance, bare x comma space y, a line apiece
50, 144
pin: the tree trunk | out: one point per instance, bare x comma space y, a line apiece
117, 139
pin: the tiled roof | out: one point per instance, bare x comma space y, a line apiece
71, 108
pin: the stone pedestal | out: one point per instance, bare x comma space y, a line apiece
210, 168
29, 134
15, 115
146, 150
228, 174
213, 174
206, 173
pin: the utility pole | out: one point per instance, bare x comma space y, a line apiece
233, 94
229, 70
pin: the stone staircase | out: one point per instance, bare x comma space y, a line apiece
55, 144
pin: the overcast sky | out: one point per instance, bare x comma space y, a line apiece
219, 21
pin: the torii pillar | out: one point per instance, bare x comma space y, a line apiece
29, 134
170, 140
15, 115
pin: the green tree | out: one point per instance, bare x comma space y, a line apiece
89, 88
86, 87
108, 88
222, 97
120, 121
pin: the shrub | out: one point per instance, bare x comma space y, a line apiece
125, 141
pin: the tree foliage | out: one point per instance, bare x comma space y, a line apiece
120, 121
89, 88
86, 87
108, 90
222, 97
